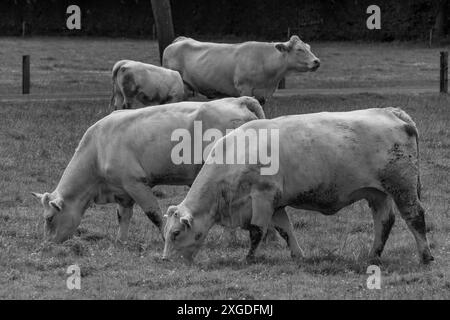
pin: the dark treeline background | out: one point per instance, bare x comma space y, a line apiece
260, 19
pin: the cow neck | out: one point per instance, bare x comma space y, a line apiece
206, 200
79, 181
280, 66
200, 199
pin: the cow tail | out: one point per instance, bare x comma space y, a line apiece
411, 130
111, 102
115, 70
254, 107
419, 184
113, 81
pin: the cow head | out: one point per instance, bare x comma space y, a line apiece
61, 220
183, 233
299, 55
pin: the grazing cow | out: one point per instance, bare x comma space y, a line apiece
326, 162
122, 156
233, 70
136, 84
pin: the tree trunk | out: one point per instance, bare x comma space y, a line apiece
441, 19
163, 22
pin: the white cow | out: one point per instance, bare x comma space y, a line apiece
122, 156
326, 162
242, 69
136, 84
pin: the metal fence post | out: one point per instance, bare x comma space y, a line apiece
444, 72
26, 74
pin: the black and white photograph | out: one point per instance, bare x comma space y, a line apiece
236, 152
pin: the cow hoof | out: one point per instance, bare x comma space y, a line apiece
249, 260
427, 258
121, 243
298, 257
376, 260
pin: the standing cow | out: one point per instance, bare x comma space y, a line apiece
136, 84
122, 156
233, 70
326, 162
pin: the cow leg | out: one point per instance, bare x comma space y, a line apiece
383, 220
262, 212
271, 235
414, 216
143, 195
244, 90
127, 103
256, 235
404, 190
283, 225
188, 91
262, 95
124, 215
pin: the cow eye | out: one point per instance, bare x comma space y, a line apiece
49, 219
175, 234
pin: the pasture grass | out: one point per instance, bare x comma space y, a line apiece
37, 139
67, 64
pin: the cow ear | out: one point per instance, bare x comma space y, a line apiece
42, 197
294, 39
38, 196
170, 211
282, 47
57, 204
187, 220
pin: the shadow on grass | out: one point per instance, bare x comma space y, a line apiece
333, 264
224, 293
237, 263
173, 282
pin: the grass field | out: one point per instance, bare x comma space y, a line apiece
38, 139
83, 65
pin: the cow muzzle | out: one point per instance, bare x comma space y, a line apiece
315, 65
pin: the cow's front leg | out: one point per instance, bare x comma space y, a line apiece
243, 89
143, 195
124, 215
283, 225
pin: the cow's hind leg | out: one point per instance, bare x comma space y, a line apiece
124, 215
414, 215
383, 220
283, 225
404, 190
262, 211
143, 195
256, 235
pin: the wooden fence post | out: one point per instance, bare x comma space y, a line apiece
444, 72
163, 22
26, 74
